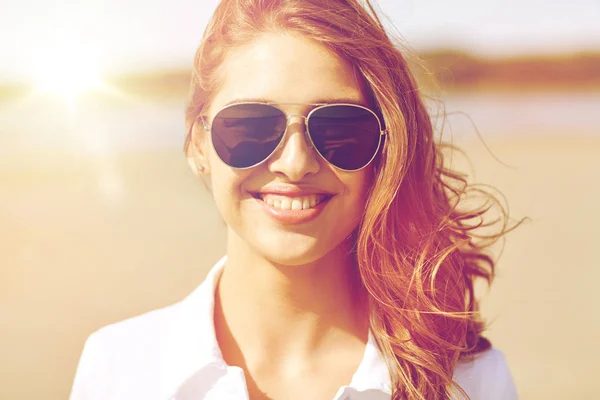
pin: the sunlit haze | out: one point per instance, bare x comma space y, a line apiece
146, 35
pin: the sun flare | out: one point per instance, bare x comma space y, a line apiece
67, 82
67, 73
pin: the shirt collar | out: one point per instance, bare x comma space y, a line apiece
192, 347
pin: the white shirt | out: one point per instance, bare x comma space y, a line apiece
172, 354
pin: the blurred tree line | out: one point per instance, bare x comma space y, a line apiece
459, 70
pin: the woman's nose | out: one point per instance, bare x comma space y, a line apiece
295, 157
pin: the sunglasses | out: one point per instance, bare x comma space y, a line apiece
244, 135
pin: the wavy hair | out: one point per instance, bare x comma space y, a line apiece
419, 247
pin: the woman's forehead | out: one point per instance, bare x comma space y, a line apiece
286, 68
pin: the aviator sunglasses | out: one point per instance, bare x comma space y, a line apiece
244, 135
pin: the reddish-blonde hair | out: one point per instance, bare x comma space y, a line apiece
417, 247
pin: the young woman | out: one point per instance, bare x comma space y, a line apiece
350, 259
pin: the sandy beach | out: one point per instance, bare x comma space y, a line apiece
87, 241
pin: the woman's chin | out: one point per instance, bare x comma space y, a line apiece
293, 256
298, 250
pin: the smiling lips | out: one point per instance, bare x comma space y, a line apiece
291, 207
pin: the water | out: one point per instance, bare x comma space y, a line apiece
120, 123
538, 115
92, 125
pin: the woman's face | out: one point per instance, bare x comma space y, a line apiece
287, 68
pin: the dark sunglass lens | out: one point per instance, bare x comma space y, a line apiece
246, 134
347, 136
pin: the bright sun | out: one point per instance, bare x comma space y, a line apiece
67, 73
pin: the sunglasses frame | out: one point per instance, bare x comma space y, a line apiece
317, 106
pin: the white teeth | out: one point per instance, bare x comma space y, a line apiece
286, 204
296, 203
305, 203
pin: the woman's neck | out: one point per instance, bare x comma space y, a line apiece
281, 312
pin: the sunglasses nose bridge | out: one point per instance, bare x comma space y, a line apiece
305, 118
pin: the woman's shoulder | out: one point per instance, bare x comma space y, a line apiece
486, 375
159, 324
144, 327
125, 359
138, 334
128, 350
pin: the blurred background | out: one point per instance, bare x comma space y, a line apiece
101, 219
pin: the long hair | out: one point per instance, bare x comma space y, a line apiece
418, 247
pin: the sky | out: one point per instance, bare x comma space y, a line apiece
145, 35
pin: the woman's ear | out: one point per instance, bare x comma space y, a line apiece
197, 153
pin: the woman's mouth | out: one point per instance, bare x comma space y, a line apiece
292, 209
292, 203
